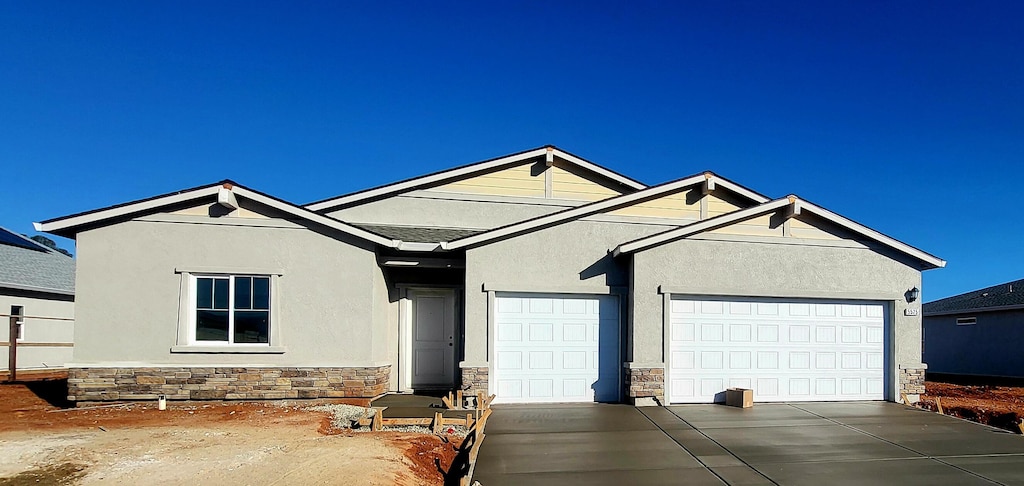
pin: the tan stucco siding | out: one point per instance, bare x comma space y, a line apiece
681, 205
567, 185
523, 181
765, 269
128, 297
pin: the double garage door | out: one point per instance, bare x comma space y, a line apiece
784, 351
556, 348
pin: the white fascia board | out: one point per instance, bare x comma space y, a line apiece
120, 211
872, 234
738, 189
600, 170
421, 181
700, 226
417, 246
574, 213
315, 217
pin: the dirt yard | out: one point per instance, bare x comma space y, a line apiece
275, 443
998, 406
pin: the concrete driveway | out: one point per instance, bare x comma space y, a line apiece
805, 443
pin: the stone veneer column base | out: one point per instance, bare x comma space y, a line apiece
645, 386
220, 383
475, 378
911, 383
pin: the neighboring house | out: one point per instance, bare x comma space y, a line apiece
976, 333
538, 276
36, 282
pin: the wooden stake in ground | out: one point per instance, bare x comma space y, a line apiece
1021, 426
938, 404
378, 420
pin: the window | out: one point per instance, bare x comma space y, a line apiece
966, 321
17, 310
232, 309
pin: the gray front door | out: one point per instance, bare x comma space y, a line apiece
433, 338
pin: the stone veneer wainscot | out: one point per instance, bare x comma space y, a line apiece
645, 386
225, 383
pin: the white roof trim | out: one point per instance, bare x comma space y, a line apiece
114, 212
223, 193
314, 217
700, 226
803, 205
872, 234
464, 171
574, 213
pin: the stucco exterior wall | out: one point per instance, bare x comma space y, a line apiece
39, 331
571, 258
990, 347
435, 209
328, 298
770, 268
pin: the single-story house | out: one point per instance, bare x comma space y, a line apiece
976, 333
537, 276
37, 283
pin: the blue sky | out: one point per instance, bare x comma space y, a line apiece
905, 116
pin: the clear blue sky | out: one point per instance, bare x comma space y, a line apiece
905, 116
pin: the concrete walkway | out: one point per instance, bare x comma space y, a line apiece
789, 444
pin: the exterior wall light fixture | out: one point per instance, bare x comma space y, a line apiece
913, 294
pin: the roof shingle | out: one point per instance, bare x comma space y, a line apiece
24, 267
1002, 295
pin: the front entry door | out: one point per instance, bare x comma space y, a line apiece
433, 338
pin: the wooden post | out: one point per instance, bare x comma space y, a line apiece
378, 420
938, 404
438, 422
12, 350
458, 399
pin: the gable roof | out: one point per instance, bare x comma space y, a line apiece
470, 170
708, 179
27, 265
1006, 296
225, 192
796, 206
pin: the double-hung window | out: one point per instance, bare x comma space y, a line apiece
232, 309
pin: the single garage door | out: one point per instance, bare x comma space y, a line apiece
556, 348
784, 351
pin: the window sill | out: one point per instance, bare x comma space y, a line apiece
229, 349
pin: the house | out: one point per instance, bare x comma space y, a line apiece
537, 276
976, 333
38, 283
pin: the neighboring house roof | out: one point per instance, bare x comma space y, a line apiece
27, 265
225, 192
796, 206
1007, 296
708, 179
418, 234
470, 170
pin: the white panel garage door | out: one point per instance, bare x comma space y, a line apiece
784, 351
556, 348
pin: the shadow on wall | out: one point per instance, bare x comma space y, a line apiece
606, 388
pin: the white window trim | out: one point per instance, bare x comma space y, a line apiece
186, 342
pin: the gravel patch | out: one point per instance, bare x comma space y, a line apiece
342, 416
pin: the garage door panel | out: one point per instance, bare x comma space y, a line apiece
556, 348
784, 351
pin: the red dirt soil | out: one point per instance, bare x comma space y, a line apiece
40, 405
998, 406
